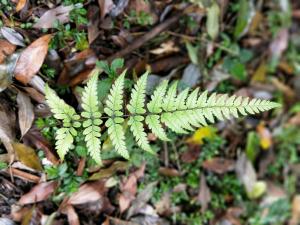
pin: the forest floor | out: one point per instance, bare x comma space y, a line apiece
241, 171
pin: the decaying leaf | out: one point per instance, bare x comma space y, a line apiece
106, 173
165, 48
20, 5
38, 193
247, 175
212, 22
60, 13
31, 59
6, 71
295, 219
219, 165
12, 36
7, 125
128, 188
7, 49
204, 195
105, 7
25, 112
27, 156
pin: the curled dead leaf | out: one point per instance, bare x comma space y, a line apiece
25, 112
6, 49
219, 165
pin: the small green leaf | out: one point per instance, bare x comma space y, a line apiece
212, 22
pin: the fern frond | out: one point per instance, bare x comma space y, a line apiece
136, 109
92, 115
113, 109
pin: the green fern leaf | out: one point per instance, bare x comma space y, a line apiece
62, 111
64, 142
136, 109
92, 115
114, 105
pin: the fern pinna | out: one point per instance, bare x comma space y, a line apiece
181, 112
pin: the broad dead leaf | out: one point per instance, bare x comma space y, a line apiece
27, 156
129, 188
31, 59
89, 192
204, 195
20, 5
6, 49
280, 43
60, 13
25, 112
219, 165
38, 193
169, 172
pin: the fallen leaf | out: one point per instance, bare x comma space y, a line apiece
247, 176
105, 7
191, 155
191, 75
169, 172
48, 19
38, 193
27, 156
219, 165
6, 49
279, 44
141, 200
265, 136
245, 16
34, 138
165, 48
6, 71
12, 36
295, 219
25, 112
201, 134
31, 59
73, 218
163, 206
88, 192
108, 172
260, 73
20, 5
7, 125
295, 120
128, 188
204, 196
212, 22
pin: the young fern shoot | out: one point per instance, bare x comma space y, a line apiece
181, 113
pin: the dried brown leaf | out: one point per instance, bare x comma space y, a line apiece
31, 59
129, 188
219, 165
6, 49
108, 172
38, 193
60, 13
25, 112
105, 7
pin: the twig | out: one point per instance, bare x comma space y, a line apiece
166, 154
24, 175
137, 43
